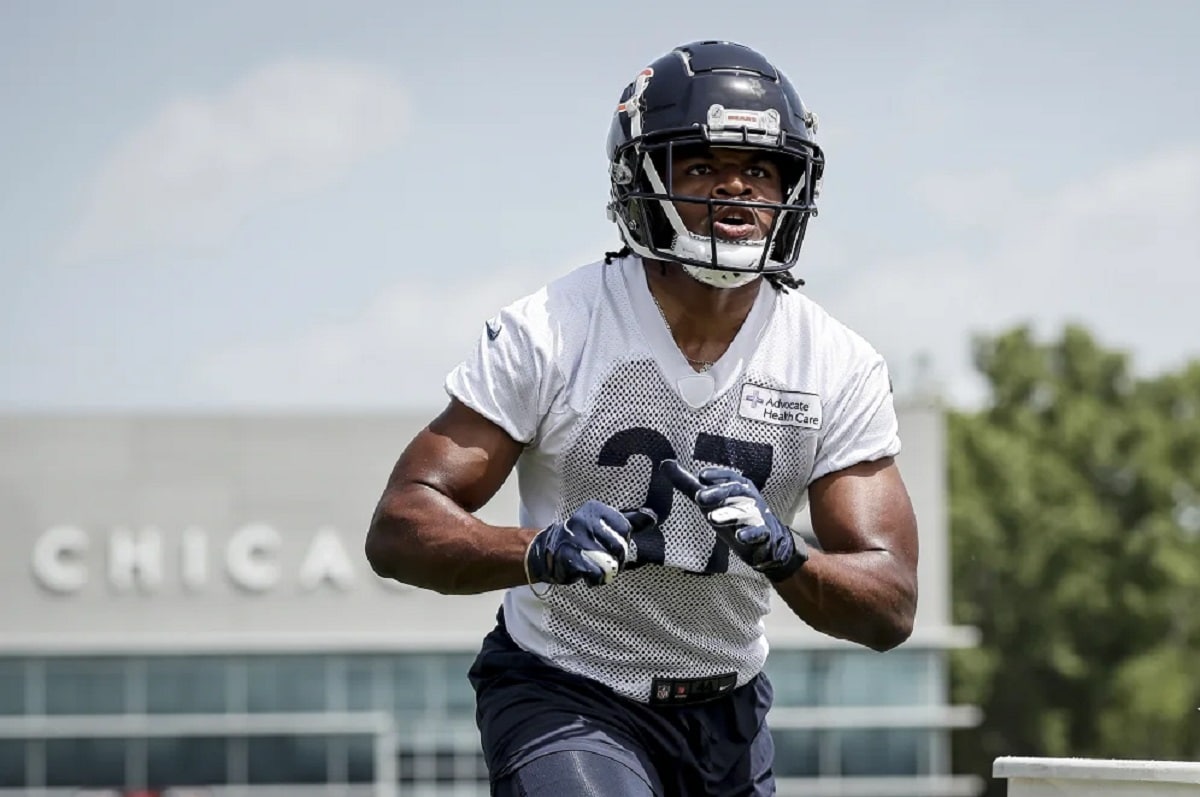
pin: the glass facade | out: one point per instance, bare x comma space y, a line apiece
61, 719
856, 679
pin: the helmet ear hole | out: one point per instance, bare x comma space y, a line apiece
786, 246
793, 171
637, 201
648, 224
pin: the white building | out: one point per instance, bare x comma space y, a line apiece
186, 603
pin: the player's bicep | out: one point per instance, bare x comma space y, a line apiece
865, 507
461, 455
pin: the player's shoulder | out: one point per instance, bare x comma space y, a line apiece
827, 332
577, 286
564, 302
578, 290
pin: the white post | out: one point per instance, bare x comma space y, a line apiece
386, 745
1085, 777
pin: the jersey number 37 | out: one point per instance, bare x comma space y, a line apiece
754, 460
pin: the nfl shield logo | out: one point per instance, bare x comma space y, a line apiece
663, 691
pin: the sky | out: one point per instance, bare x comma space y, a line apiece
284, 205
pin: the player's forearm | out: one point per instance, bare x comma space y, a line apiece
420, 537
867, 597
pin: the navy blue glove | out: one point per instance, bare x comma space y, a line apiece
591, 544
738, 513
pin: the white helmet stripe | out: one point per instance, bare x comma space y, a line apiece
659, 188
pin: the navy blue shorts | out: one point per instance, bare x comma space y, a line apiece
526, 709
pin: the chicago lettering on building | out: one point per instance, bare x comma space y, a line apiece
255, 558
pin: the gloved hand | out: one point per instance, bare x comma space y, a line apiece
738, 513
592, 544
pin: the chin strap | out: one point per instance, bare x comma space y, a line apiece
718, 278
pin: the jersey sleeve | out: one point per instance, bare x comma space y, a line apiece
861, 419
507, 377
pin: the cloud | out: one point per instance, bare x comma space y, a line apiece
1118, 251
395, 353
191, 174
969, 201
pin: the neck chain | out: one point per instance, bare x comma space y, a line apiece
700, 365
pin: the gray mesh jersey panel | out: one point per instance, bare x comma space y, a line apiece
699, 613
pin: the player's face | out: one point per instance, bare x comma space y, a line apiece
724, 173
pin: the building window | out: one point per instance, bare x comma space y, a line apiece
897, 678
93, 763
12, 687
360, 759
410, 678
460, 697
85, 686
286, 683
884, 751
366, 682
185, 685
13, 754
443, 765
854, 678
186, 761
797, 676
797, 753
287, 759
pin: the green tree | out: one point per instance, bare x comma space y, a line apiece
1075, 534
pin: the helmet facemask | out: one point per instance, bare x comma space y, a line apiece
644, 204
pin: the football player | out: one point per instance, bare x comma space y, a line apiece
667, 410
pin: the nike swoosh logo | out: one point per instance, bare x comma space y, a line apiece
493, 330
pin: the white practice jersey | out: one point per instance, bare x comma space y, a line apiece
586, 374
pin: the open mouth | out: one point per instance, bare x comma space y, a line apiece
734, 224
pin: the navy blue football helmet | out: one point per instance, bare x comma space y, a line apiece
716, 94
